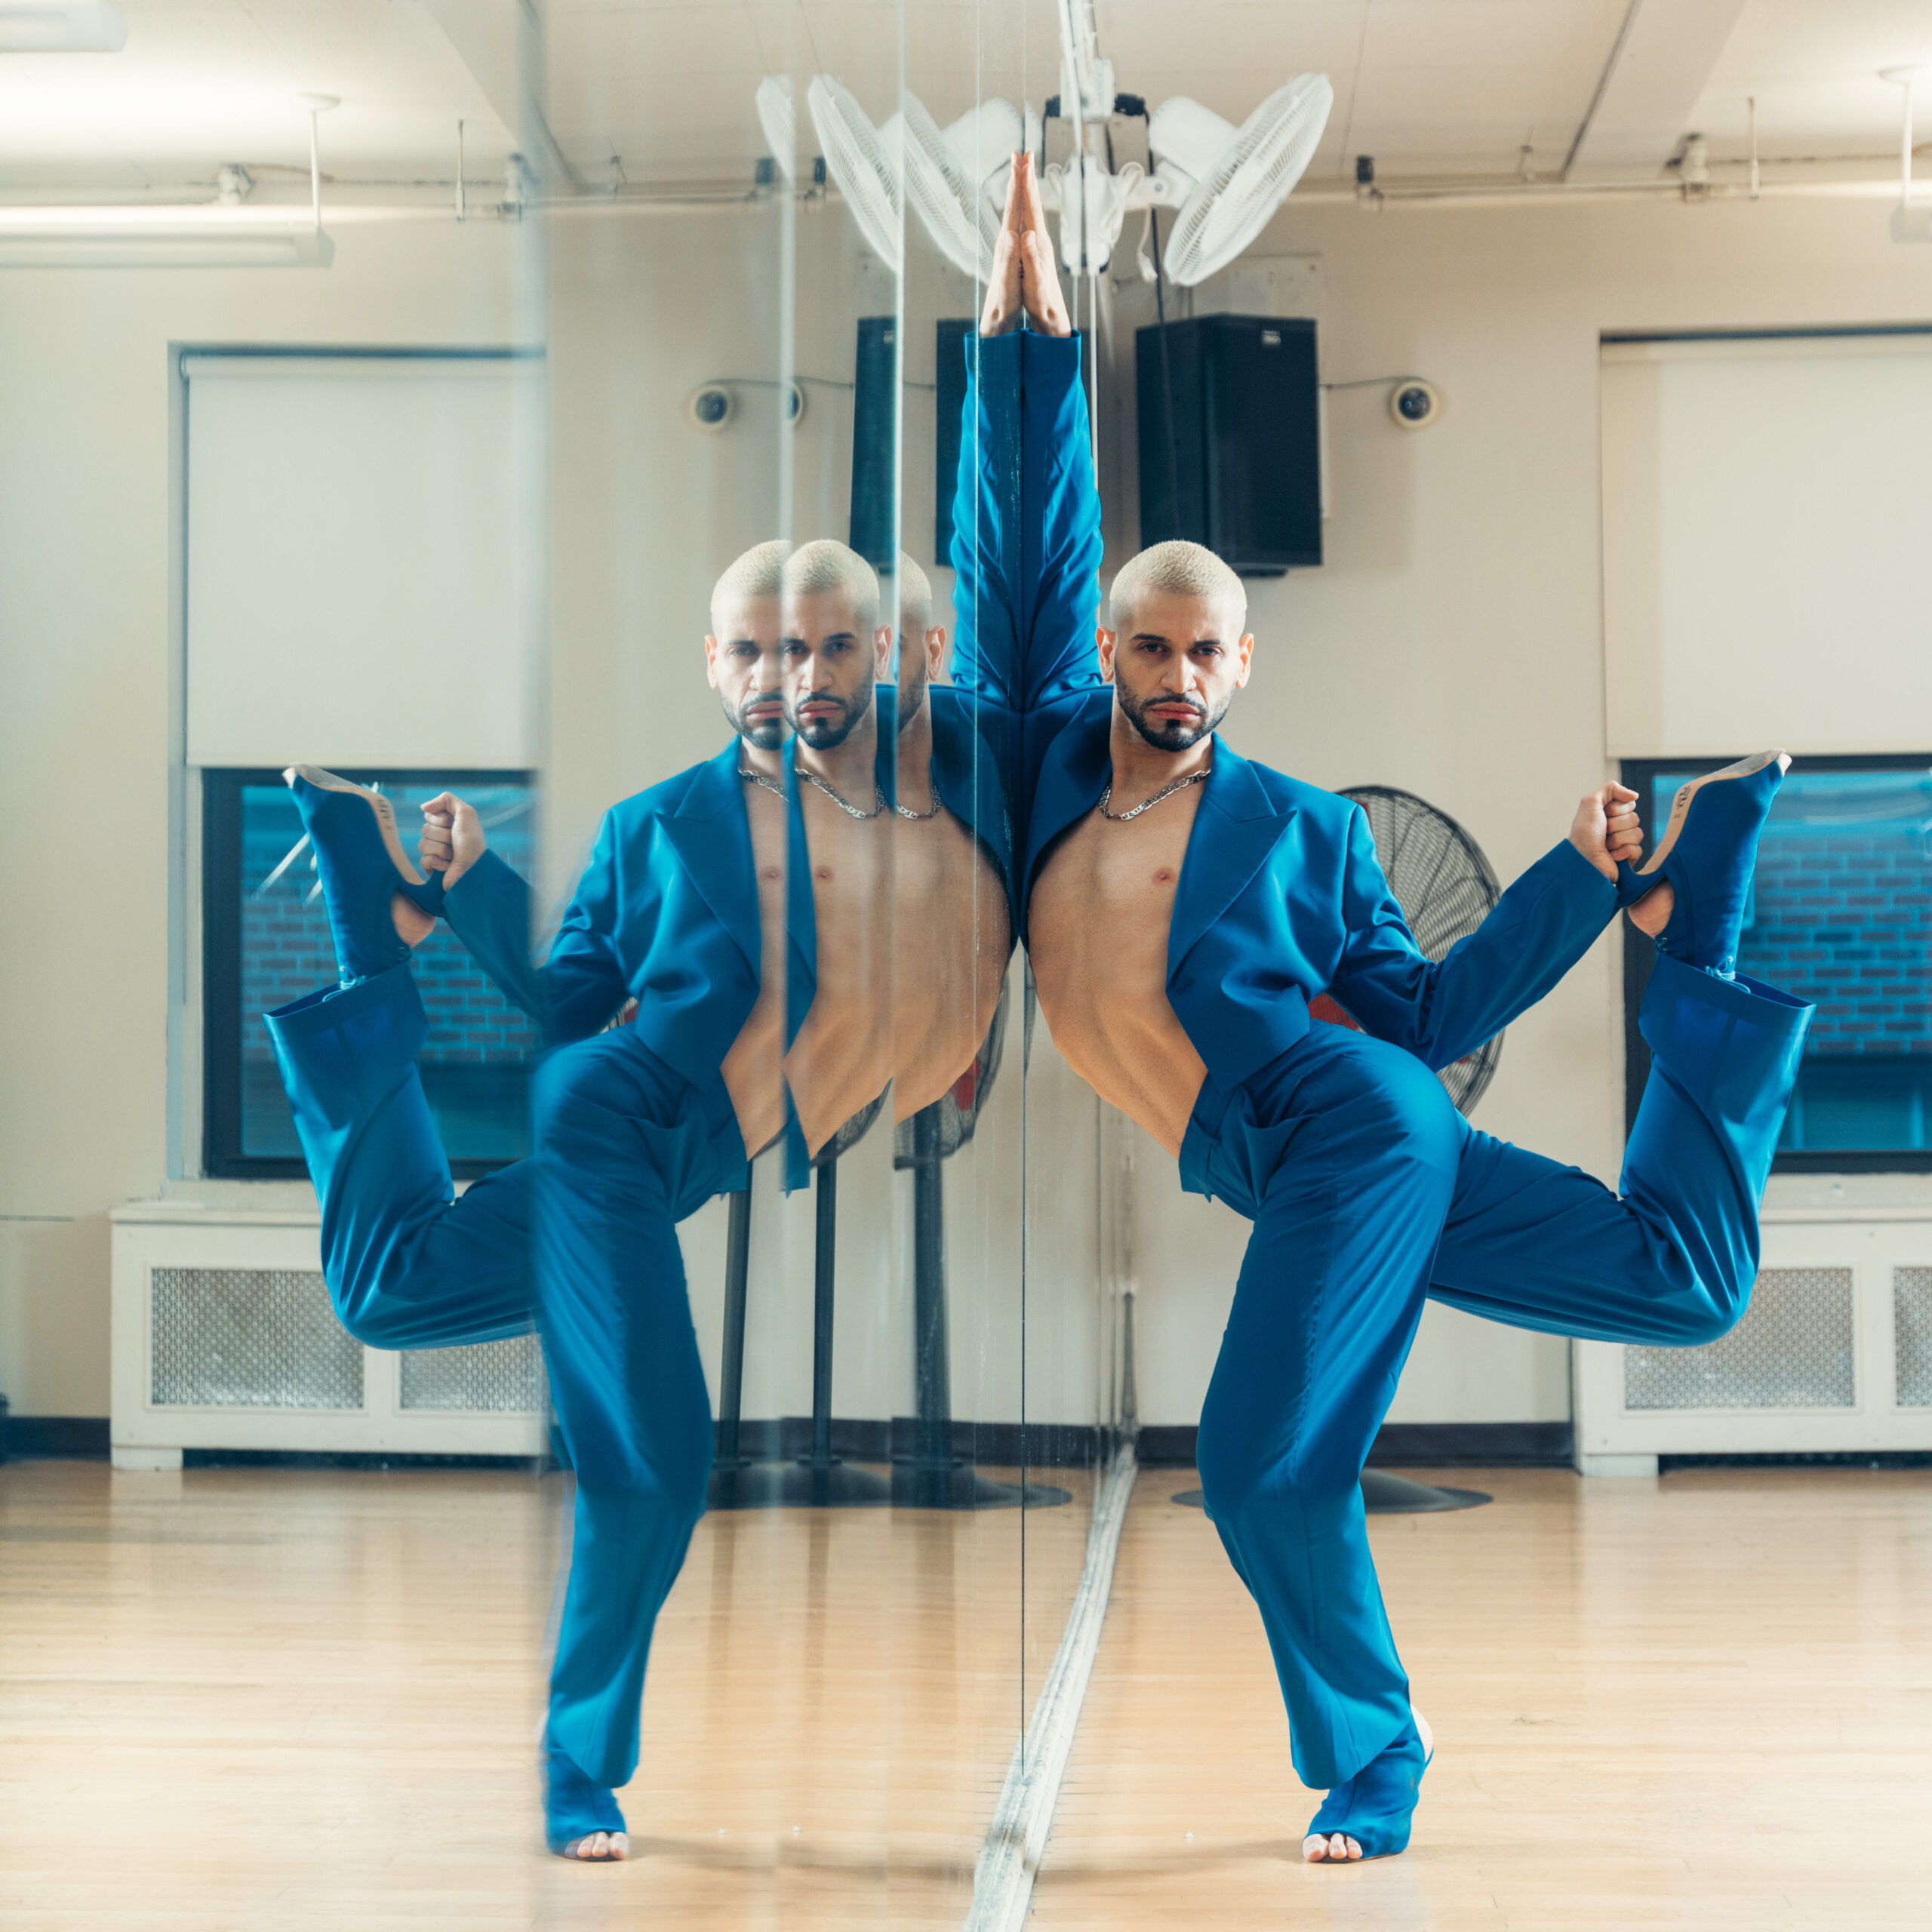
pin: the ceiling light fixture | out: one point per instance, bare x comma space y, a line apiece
204, 234
61, 26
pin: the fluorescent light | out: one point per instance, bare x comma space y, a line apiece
204, 235
60, 26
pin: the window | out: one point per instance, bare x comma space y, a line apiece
1840, 914
266, 942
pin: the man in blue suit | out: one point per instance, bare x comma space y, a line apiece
1182, 906
736, 919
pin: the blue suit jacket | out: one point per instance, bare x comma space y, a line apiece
1281, 896
666, 911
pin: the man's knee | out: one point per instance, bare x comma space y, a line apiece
632, 1491
1245, 1485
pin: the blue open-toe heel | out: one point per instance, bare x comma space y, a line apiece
360, 860
1375, 1806
1707, 851
575, 1806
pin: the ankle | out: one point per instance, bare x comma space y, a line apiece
413, 925
1652, 912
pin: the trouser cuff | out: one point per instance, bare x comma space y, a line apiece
329, 1007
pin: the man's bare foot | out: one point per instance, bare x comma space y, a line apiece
1651, 913
606, 1846
1335, 1848
413, 925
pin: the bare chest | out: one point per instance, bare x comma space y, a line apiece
1109, 885
851, 862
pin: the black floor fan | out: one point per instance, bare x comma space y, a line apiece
1445, 888
818, 1479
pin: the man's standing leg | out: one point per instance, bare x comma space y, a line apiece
1345, 1153
626, 1149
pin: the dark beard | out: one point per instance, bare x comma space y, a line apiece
1172, 734
824, 735
767, 735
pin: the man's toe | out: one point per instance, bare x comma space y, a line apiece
1354, 1850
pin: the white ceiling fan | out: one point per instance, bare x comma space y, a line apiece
1223, 182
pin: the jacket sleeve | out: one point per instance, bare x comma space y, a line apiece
582, 983
1441, 1010
1026, 525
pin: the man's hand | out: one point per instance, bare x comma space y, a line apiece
1024, 278
1605, 829
452, 840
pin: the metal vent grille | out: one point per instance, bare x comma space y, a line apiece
498, 1376
249, 1338
1911, 1310
1792, 1350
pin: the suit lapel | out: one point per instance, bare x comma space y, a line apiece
1235, 830
1073, 775
713, 841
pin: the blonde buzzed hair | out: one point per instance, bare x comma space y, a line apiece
915, 597
1181, 568
757, 574
829, 565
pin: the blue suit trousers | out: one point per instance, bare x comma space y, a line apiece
1370, 1194
580, 1241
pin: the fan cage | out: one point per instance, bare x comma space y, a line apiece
1252, 177
1446, 887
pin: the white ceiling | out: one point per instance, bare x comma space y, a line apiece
1429, 87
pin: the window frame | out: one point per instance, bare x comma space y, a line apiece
221, 789
1640, 954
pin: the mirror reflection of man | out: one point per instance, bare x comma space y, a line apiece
1182, 905
952, 929
635, 1128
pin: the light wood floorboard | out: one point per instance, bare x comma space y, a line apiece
1701, 1702
278, 1700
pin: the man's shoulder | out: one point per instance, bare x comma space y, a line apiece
1287, 793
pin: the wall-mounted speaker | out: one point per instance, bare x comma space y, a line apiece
1230, 432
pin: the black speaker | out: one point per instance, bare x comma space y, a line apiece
875, 473
1231, 439
953, 335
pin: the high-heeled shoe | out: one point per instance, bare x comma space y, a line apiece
1707, 851
1375, 1807
575, 1806
360, 860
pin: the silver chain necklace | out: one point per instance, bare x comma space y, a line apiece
1147, 804
772, 786
844, 803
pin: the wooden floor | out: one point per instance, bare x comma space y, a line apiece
278, 1700
1704, 1702
271, 1700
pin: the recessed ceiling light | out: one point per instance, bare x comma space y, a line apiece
61, 26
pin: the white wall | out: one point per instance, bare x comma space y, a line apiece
1453, 644
86, 595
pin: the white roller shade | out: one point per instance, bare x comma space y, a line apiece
1767, 517
362, 561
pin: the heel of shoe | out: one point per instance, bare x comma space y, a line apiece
426, 897
1632, 885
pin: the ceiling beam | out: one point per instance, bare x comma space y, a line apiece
1656, 72
501, 43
